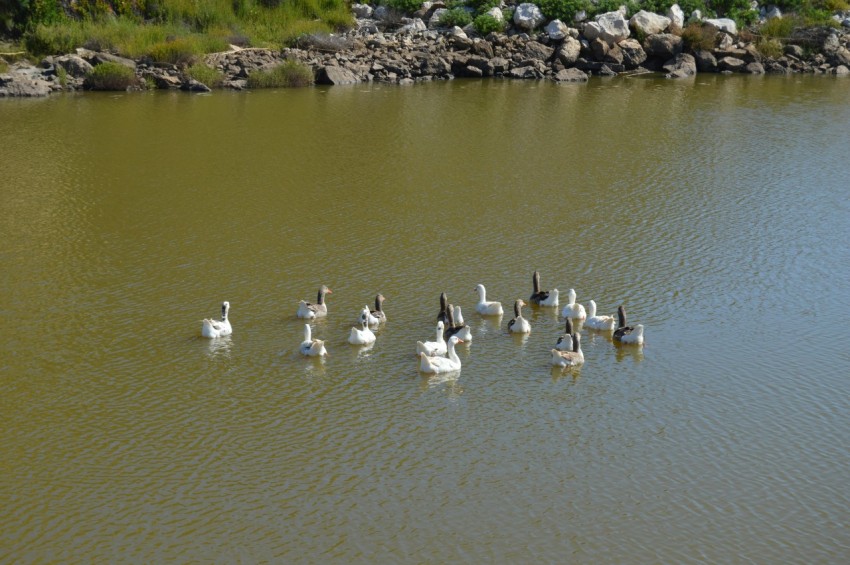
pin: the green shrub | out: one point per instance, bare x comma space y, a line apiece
698, 37
564, 10
482, 6
62, 74
485, 23
406, 6
779, 27
110, 76
289, 74
206, 74
4, 66
605, 6
770, 48
456, 17
179, 50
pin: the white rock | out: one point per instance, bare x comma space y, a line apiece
528, 16
362, 11
611, 27
496, 13
677, 17
434, 21
557, 30
723, 24
649, 23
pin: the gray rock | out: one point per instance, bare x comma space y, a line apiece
754, 68
569, 51
663, 45
682, 65
611, 27
723, 24
74, 65
731, 64
570, 75
794, 51
840, 56
705, 61
841, 70
528, 16
633, 53
648, 23
330, 74
677, 18
21, 85
362, 11
557, 30
527, 72
536, 50
193, 85
434, 20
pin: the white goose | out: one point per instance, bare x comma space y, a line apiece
573, 309
362, 335
433, 348
594, 322
312, 347
487, 308
565, 342
308, 311
377, 316
569, 358
431, 364
217, 328
462, 331
627, 334
518, 324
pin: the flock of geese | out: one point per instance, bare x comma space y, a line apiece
438, 355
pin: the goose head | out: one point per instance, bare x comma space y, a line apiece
621, 315
591, 309
323, 290
225, 308
535, 280
571, 296
379, 301
518, 306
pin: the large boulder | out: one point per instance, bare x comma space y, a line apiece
633, 53
648, 23
570, 75
731, 64
362, 11
663, 45
331, 74
74, 65
706, 61
680, 66
677, 18
528, 16
611, 27
723, 24
557, 30
569, 51
23, 83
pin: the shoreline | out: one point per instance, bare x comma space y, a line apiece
416, 53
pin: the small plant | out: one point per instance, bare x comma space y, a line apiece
4, 66
485, 23
456, 17
180, 50
206, 75
62, 74
698, 37
779, 27
288, 75
770, 48
564, 10
111, 76
406, 6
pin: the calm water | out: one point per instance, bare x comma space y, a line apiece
716, 210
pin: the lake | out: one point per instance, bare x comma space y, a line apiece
715, 209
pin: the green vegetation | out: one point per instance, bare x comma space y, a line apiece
206, 74
698, 37
456, 17
288, 75
564, 10
770, 48
110, 76
485, 23
135, 28
4, 66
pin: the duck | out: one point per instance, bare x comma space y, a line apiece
217, 328
442, 316
565, 342
594, 322
377, 316
569, 358
487, 308
627, 334
433, 364
541, 297
464, 332
433, 348
518, 324
312, 347
573, 309
309, 311
362, 335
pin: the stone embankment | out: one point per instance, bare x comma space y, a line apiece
386, 48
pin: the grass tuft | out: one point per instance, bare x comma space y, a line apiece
111, 76
288, 75
207, 75
698, 37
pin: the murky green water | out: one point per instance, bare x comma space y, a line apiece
716, 210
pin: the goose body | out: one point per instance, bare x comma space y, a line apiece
312, 347
569, 358
462, 331
433, 364
594, 322
376, 317
627, 334
362, 335
484, 307
433, 348
573, 309
309, 311
538, 296
565, 342
518, 324
217, 328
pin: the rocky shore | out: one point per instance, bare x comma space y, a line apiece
384, 47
